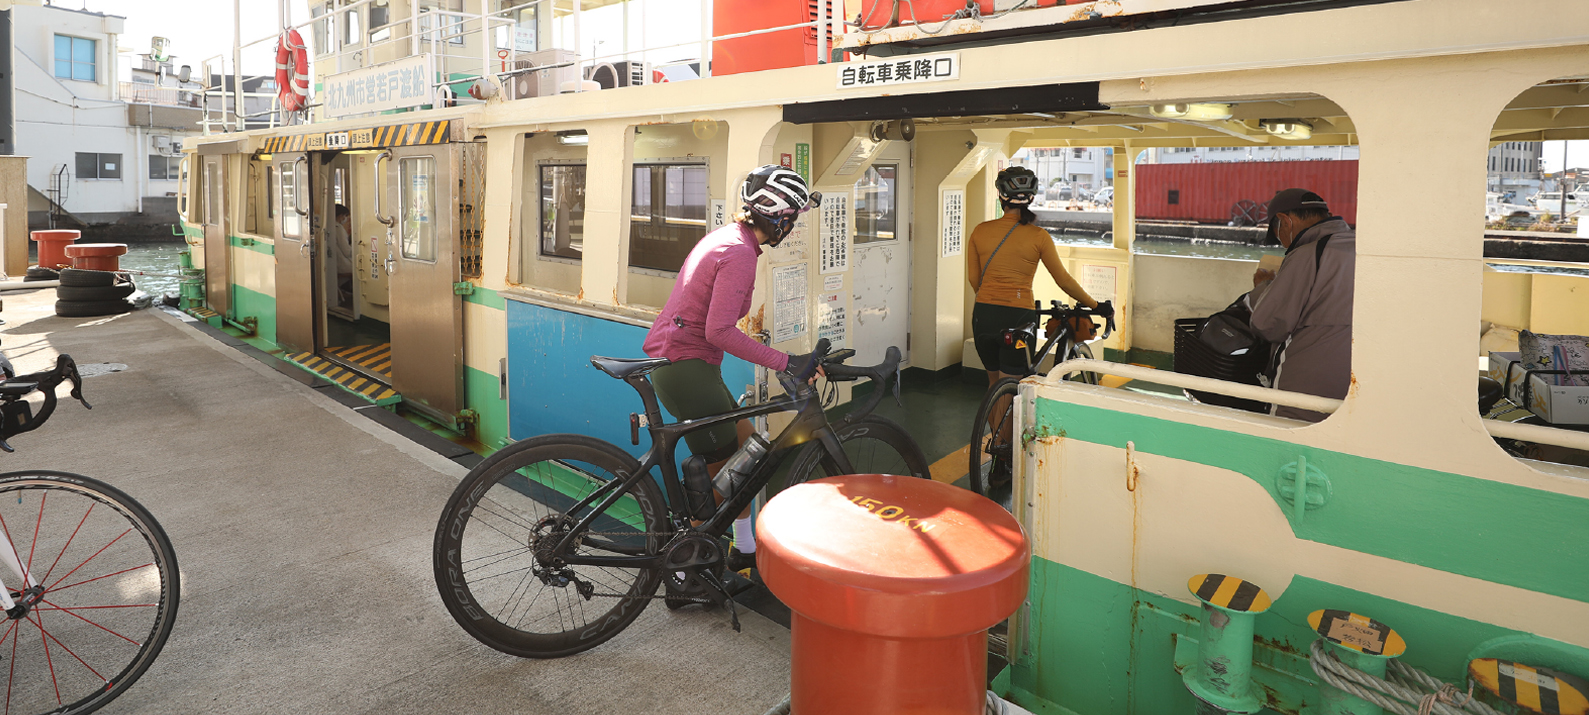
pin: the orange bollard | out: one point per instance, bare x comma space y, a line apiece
893, 583
52, 245
96, 256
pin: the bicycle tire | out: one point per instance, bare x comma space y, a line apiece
105, 596
984, 457
1078, 351
527, 486
875, 445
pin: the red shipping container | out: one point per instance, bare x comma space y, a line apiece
1207, 192
773, 50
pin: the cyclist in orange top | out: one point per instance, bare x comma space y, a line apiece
1001, 260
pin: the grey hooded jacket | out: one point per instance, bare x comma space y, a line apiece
1306, 311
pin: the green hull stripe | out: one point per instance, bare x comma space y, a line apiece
247, 302
1099, 647
1475, 527
487, 297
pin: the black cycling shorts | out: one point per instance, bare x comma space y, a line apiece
692, 389
988, 323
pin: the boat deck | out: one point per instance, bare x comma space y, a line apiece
303, 529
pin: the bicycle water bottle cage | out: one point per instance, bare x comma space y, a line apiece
624, 368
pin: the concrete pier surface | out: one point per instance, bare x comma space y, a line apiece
303, 531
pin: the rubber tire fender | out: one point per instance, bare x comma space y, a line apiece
81, 294
80, 278
91, 308
39, 273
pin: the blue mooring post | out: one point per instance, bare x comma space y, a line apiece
1358, 642
1221, 678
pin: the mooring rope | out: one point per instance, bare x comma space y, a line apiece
1409, 691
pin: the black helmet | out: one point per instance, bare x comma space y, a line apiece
778, 196
1016, 185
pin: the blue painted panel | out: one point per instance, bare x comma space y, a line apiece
552, 387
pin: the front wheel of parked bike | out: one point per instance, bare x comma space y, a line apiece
496, 557
92, 584
874, 445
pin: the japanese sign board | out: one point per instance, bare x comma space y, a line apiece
803, 161
834, 249
953, 226
789, 302
393, 85
913, 69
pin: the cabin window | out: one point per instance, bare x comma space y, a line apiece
417, 207
877, 204
291, 221
350, 28
270, 192
1534, 324
449, 27
214, 200
182, 188
380, 16
563, 210
324, 29
521, 36
667, 214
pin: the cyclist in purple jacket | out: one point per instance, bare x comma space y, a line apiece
699, 323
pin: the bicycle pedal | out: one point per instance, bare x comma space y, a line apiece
717, 585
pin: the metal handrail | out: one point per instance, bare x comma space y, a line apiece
387, 221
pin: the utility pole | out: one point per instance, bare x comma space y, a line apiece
1562, 185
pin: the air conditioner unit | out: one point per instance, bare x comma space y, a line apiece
623, 73
542, 83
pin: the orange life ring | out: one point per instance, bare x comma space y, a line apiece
292, 71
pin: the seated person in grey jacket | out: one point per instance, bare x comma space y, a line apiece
1305, 308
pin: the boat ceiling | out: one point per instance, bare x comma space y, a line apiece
1554, 110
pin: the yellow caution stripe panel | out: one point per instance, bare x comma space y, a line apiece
367, 386
1539, 690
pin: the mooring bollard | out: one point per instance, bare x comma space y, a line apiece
1221, 679
1359, 642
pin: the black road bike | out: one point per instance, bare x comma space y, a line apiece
993, 437
557, 543
90, 581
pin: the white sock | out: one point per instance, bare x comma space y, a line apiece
744, 536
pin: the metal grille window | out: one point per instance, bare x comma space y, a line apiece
563, 210
98, 166
667, 214
877, 204
74, 58
471, 209
417, 207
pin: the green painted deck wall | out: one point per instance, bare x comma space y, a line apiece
251, 303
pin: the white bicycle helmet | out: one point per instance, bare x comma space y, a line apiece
778, 196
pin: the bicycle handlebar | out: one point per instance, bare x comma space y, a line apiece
836, 371
16, 414
1060, 311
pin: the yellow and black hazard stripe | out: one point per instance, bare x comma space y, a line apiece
285, 144
354, 381
1539, 690
416, 134
373, 359
1357, 632
1230, 593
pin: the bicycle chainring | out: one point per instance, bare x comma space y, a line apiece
684, 560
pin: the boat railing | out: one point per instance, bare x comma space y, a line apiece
1507, 430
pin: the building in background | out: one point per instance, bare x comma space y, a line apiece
1514, 167
1215, 154
1086, 168
104, 154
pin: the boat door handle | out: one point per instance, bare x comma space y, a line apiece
307, 248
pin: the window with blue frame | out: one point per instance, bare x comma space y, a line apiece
74, 58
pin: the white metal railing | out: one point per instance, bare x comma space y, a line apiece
1540, 434
439, 31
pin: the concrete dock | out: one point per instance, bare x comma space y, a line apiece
303, 530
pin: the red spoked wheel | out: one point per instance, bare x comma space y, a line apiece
292, 71
91, 588
1247, 212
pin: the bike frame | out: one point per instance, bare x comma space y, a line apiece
810, 424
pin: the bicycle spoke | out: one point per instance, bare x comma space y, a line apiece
96, 625
35, 545
69, 540
91, 558
12, 544
47, 658
69, 651
96, 578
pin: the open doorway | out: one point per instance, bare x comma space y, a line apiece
349, 276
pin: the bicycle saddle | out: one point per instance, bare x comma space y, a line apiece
622, 368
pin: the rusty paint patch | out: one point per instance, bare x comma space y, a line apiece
1283, 646
752, 324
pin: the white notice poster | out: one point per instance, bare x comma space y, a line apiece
834, 256
954, 222
793, 247
789, 302
1098, 281
831, 320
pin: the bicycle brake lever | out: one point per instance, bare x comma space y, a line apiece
77, 382
6, 446
898, 378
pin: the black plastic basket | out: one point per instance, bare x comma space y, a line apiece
1195, 357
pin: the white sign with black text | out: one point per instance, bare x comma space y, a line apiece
914, 69
393, 85
954, 222
834, 252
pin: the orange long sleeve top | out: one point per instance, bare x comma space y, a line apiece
1008, 280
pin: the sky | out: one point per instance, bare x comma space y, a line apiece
1577, 155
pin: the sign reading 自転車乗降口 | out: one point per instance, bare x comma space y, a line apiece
901, 70
394, 85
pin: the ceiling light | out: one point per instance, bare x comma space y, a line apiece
1294, 129
1201, 112
573, 139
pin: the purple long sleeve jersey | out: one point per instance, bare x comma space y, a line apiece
712, 294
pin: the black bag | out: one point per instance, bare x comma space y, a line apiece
1229, 332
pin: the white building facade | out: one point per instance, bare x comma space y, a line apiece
94, 157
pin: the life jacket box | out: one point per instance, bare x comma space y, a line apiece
1195, 357
1556, 404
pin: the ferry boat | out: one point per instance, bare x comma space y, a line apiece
491, 247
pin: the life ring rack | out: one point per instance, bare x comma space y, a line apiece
292, 70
